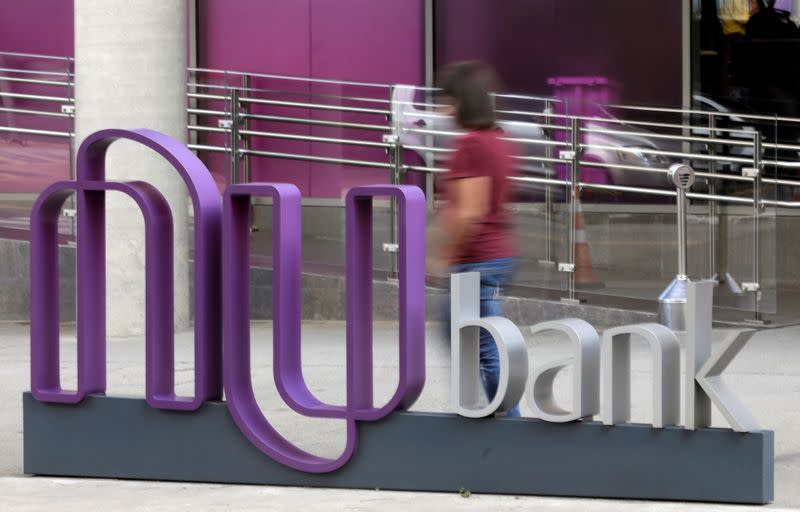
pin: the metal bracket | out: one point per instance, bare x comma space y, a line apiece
69, 212
751, 172
751, 287
68, 109
390, 139
225, 123
566, 267
566, 155
387, 247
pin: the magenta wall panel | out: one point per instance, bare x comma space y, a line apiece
259, 36
28, 163
363, 40
37, 26
352, 40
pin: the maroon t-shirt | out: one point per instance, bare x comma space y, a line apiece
483, 153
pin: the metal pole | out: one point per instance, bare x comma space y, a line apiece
712, 205
70, 110
672, 301
548, 197
429, 71
245, 125
396, 160
234, 127
755, 287
574, 188
682, 242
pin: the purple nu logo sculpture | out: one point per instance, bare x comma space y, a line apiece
222, 326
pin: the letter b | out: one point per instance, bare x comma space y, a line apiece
465, 326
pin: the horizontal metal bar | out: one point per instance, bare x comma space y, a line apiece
781, 163
33, 112
527, 97
637, 168
288, 77
31, 131
773, 145
633, 190
501, 95
213, 149
206, 112
35, 72
775, 181
682, 138
424, 168
318, 106
723, 177
36, 55
36, 82
56, 99
314, 138
201, 96
718, 198
317, 122
780, 204
297, 93
432, 149
201, 128
541, 142
315, 158
614, 120
677, 154
713, 113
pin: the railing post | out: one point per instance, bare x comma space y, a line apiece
574, 196
396, 159
234, 135
69, 109
548, 196
754, 286
712, 205
244, 124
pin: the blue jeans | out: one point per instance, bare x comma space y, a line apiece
495, 275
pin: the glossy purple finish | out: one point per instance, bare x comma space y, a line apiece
90, 188
286, 303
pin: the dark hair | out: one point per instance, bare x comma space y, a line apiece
470, 84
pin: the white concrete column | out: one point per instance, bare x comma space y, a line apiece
130, 72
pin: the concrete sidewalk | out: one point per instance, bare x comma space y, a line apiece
766, 376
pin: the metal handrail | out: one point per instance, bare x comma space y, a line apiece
288, 77
36, 82
317, 158
36, 97
541, 142
33, 112
668, 110
31, 131
320, 106
36, 56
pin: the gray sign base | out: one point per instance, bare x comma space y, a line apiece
125, 438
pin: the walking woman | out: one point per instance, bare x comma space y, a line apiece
476, 229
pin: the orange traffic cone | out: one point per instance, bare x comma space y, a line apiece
584, 275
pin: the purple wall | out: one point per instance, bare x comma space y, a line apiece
633, 42
37, 26
28, 163
356, 40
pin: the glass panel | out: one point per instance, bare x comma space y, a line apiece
35, 140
